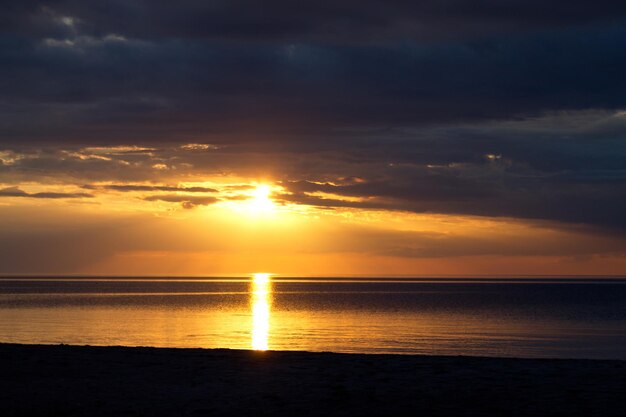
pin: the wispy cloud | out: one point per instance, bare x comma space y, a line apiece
17, 192
187, 202
140, 187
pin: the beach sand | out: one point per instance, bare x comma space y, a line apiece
53, 380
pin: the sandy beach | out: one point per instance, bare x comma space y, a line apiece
53, 380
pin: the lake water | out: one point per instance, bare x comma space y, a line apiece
564, 318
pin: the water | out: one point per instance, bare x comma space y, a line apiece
565, 318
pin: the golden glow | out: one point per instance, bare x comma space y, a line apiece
332, 196
254, 224
261, 301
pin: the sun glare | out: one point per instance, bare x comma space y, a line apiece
261, 278
261, 201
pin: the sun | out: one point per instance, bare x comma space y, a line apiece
260, 278
255, 202
260, 200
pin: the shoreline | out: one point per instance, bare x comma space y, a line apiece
176, 349
72, 380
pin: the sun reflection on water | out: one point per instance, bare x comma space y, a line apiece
260, 295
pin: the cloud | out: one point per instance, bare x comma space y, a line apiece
16, 192
138, 187
411, 98
225, 92
187, 202
566, 167
280, 20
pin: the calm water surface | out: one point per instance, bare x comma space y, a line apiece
567, 318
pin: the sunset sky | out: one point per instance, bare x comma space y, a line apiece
312, 138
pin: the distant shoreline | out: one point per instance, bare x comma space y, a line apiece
69, 380
248, 275
529, 279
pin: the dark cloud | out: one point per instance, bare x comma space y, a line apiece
108, 89
597, 204
283, 20
507, 108
16, 192
329, 203
566, 167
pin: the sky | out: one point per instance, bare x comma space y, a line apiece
312, 138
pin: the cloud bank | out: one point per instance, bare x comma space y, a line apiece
496, 109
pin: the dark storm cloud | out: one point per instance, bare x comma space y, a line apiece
495, 196
570, 167
101, 90
280, 20
16, 192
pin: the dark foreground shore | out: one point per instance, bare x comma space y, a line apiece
117, 381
